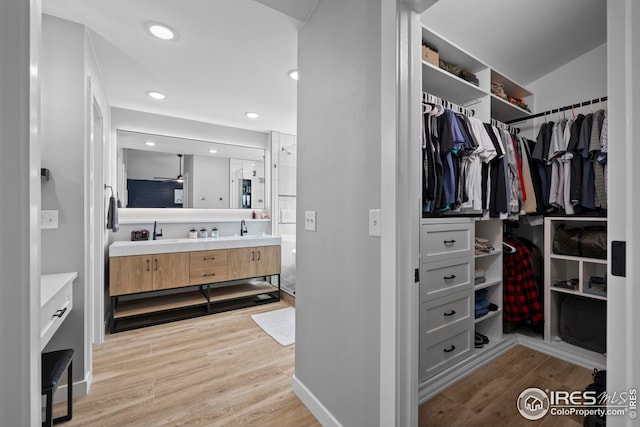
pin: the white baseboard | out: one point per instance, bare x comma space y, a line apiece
313, 404
567, 352
80, 388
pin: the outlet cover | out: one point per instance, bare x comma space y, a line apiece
310, 220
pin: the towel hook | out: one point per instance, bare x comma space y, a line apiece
110, 188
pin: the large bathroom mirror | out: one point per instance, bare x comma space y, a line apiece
157, 171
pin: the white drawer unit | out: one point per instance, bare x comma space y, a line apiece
56, 301
444, 348
443, 312
445, 277
446, 294
446, 241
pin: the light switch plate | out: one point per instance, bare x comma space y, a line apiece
310, 220
374, 222
48, 219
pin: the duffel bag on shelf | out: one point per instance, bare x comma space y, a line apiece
588, 242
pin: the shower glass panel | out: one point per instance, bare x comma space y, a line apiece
287, 210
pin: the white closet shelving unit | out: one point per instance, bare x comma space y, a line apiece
559, 268
443, 84
440, 363
491, 263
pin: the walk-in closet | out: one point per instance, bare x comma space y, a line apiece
513, 230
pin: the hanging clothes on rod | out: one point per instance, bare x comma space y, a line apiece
469, 167
569, 157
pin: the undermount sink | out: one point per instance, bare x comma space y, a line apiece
250, 235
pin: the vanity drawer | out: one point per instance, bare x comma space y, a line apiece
204, 275
446, 241
54, 312
445, 349
444, 278
442, 312
201, 259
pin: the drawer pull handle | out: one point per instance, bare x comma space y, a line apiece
453, 276
60, 312
209, 274
449, 242
450, 349
156, 260
258, 256
451, 313
208, 258
253, 255
147, 265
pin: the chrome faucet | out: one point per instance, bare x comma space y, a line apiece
155, 223
243, 228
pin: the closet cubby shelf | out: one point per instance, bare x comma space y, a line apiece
448, 86
488, 316
582, 294
488, 284
504, 111
492, 253
577, 258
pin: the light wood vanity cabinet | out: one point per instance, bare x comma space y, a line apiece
208, 267
142, 273
201, 273
253, 261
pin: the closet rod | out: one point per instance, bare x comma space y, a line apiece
447, 104
502, 125
557, 110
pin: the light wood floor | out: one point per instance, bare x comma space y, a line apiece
487, 397
216, 370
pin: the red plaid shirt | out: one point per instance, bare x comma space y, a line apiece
520, 293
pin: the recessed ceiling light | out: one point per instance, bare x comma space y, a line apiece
161, 31
156, 95
252, 115
294, 74
212, 151
150, 143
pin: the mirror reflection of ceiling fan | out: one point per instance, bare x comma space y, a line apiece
179, 178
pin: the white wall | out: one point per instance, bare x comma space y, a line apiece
211, 182
339, 177
64, 131
19, 212
582, 79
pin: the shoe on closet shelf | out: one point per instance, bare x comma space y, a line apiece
483, 338
478, 341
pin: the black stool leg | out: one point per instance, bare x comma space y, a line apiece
69, 396
47, 422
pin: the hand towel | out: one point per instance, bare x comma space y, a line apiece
112, 215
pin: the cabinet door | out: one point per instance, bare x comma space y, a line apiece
267, 260
241, 263
170, 270
130, 274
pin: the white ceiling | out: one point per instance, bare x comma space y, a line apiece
233, 56
522, 39
230, 57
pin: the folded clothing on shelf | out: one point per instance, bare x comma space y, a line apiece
480, 276
482, 303
497, 89
483, 246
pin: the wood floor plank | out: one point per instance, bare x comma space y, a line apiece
214, 370
488, 396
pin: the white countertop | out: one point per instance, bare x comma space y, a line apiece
127, 248
50, 285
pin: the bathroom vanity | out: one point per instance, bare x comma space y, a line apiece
157, 281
